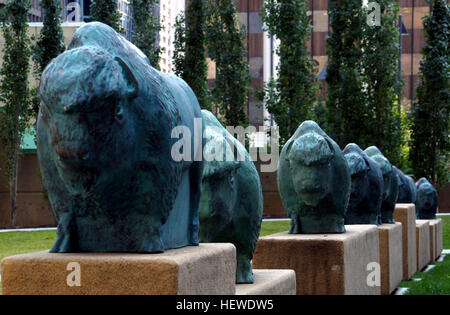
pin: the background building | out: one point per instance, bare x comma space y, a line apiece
168, 11
35, 14
263, 62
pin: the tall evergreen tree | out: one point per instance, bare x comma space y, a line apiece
348, 115
105, 11
49, 44
147, 28
430, 113
179, 43
381, 82
14, 90
291, 96
225, 46
195, 67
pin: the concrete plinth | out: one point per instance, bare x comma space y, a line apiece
391, 256
195, 270
439, 245
423, 243
269, 282
406, 214
324, 263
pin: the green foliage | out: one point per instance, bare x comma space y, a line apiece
290, 97
382, 86
14, 90
49, 44
190, 51
348, 114
179, 44
430, 113
105, 11
225, 46
363, 79
147, 28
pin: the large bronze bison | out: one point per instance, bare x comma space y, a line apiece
314, 181
231, 206
104, 147
390, 191
427, 200
367, 187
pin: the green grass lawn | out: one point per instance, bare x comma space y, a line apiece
14, 243
436, 281
272, 227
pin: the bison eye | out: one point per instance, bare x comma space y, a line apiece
119, 114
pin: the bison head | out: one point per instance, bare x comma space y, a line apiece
87, 115
309, 158
385, 166
359, 175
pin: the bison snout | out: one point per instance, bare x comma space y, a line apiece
71, 153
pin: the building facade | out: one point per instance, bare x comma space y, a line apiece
35, 13
166, 11
262, 60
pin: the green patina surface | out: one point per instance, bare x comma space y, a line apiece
390, 184
407, 192
314, 181
231, 206
104, 147
367, 187
427, 200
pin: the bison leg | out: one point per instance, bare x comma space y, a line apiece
244, 273
66, 241
156, 245
195, 177
295, 225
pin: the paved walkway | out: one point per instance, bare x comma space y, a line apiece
28, 230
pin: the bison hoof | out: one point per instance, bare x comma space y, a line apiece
64, 244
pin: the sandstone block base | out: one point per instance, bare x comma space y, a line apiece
406, 214
269, 282
433, 249
423, 243
439, 244
194, 270
324, 263
391, 256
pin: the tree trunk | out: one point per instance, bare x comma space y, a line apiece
13, 189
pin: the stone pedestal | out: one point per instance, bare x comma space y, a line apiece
195, 270
324, 263
391, 256
439, 245
433, 249
423, 243
269, 282
406, 214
